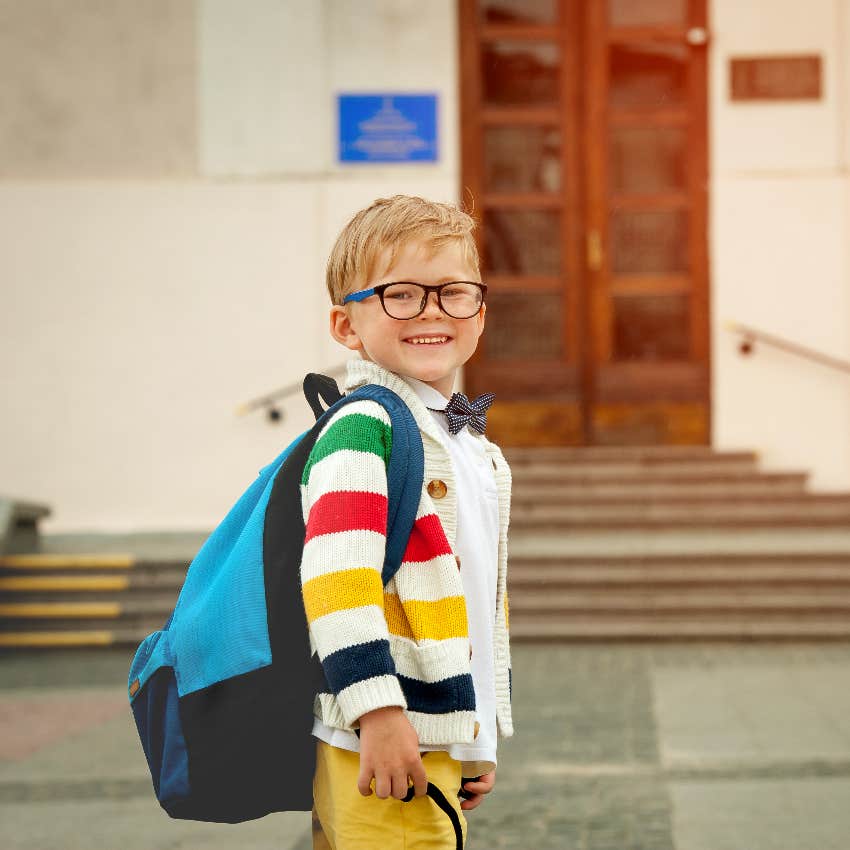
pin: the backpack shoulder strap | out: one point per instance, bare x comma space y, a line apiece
316, 385
406, 466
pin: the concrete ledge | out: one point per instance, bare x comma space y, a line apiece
19, 524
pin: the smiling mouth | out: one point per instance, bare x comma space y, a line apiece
428, 340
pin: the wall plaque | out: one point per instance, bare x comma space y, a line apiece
776, 78
387, 127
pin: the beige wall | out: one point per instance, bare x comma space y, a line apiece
779, 241
93, 89
140, 310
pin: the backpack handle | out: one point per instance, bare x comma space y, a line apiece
440, 799
316, 385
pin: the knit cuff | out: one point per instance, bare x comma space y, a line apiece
369, 694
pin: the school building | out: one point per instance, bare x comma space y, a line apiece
663, 188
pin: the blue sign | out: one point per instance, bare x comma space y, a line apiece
388, 128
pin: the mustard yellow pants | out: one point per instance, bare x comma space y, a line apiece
343, 819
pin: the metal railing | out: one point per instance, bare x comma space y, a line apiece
750, 335
270, 402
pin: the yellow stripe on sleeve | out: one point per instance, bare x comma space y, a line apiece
342, 590
439, 620
395, 616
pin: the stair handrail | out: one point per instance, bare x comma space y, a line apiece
268, 401
750, 334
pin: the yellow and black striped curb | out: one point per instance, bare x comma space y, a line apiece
57, 584
50, 610
63, 562
22, 640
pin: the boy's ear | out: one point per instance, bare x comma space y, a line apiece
342, 330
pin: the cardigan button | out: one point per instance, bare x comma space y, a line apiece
470, 650
437, 489
477, 729
457, 559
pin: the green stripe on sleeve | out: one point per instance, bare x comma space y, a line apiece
355, 431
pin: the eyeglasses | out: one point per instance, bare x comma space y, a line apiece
460, 299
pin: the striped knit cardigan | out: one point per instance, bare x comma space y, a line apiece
405, 644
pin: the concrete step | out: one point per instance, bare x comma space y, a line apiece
665, 572
616, 454
782, 627
657, 486
582, 468
708, 601
148, 613
94, 585
821, 509
64, 639
42, 562
679, 542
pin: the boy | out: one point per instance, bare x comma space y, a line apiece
418, 672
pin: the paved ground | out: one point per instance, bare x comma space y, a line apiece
618, 747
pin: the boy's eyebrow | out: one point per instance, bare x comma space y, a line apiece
446, 279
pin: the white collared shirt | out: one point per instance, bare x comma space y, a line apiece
476, 544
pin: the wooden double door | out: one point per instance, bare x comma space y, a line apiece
583, 129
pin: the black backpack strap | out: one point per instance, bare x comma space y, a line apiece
440, 799
316, 385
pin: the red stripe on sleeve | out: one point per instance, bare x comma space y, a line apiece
427, 540
346, 510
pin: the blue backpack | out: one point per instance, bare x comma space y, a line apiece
223, 695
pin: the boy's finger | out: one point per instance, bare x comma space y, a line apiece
399, 784
487, 781
420, 781
364, 784
383, 787
472, 802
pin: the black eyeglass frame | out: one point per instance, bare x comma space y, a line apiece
438, 288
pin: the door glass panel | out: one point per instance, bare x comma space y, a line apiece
522, 159
650, 327
648, 159
644, 13
519, 11
648, 75
524, 325
649, 241
520, 73
522, 242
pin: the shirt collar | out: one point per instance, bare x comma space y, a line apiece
430, 397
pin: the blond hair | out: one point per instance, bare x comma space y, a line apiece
391, 224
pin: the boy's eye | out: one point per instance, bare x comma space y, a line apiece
402, 292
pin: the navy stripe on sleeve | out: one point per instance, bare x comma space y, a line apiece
356, 663
456, 693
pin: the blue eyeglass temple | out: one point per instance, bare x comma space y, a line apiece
358, 296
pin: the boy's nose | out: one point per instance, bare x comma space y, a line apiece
429, 303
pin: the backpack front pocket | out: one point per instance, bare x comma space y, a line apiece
154, 699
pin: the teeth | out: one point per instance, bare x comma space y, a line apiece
422, 340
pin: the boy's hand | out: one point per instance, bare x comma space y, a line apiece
389, 752
478, 790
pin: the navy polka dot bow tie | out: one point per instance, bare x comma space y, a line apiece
460, 411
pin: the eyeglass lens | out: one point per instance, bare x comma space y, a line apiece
406, 300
